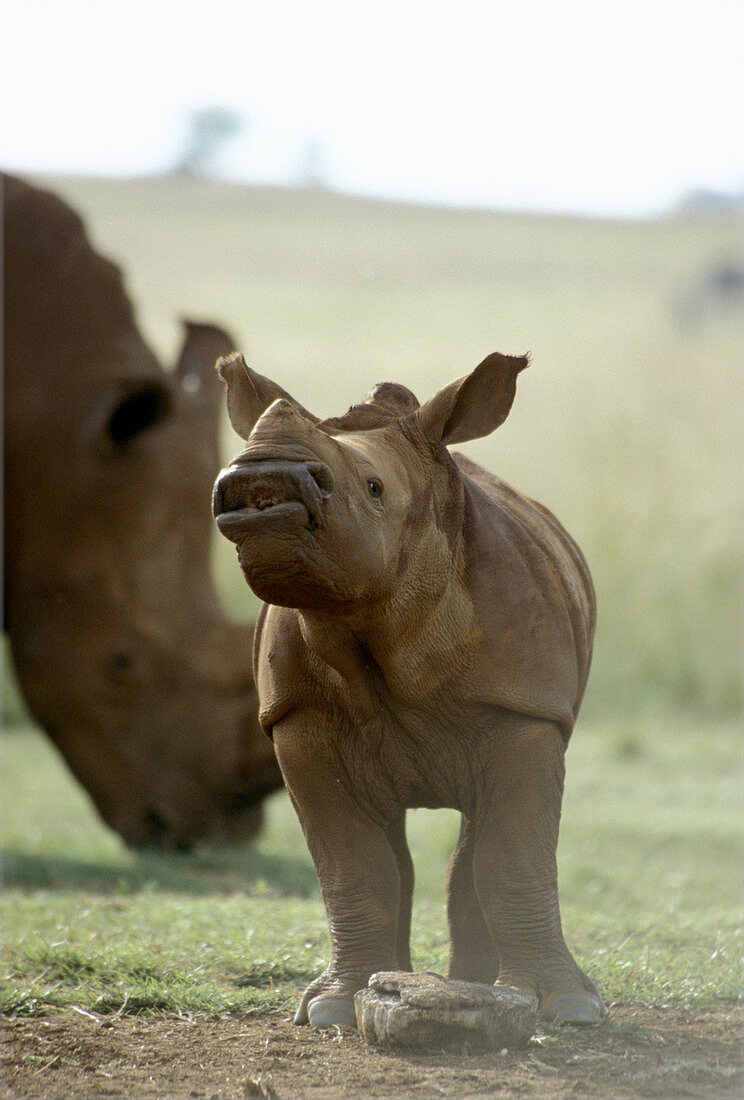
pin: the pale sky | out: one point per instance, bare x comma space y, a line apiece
609, 107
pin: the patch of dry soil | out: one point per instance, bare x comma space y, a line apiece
641, 1052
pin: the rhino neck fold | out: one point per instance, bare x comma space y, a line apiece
409, 645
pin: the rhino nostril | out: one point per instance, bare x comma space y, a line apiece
148, 831
228, 494
322, 475
262, 485
155, 828
153, 831
121, 666
218, 498
145, 829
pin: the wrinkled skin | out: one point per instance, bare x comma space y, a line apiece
425, 641
120, 647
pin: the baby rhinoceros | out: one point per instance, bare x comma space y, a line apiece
425, 641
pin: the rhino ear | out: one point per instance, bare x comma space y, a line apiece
199, 390
201, 347
473, 406
249, 394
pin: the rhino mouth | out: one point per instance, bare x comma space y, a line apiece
252, 494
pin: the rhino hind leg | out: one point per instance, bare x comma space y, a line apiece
473, 956
515, 872
396, 834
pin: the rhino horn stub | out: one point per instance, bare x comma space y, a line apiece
386, 402
282, 414
393, 398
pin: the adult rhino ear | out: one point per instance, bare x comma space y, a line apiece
201, 346
473, 406
249, 394
200, 396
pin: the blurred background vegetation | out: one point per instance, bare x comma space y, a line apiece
628, 424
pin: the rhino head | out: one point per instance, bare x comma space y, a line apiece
347, 506
119, 643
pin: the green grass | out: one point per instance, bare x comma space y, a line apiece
650, 863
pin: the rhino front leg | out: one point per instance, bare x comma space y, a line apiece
515, 872
358, 870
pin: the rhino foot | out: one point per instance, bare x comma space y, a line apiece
575, 1008
325, 1011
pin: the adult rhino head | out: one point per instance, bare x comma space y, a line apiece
120, 647
425, 641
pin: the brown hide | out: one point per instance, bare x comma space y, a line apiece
119, 644
525, 581
425, 641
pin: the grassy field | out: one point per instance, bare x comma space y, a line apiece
650, 865
628, 425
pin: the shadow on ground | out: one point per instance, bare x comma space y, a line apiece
206, 872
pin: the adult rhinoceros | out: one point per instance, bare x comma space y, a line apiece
120, 647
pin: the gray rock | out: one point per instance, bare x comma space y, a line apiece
426, 1010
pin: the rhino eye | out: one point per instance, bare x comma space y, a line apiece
136, 413
122, 412
374, 487
121, 664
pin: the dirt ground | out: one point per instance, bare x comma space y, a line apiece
639, 1053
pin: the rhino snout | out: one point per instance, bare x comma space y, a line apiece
151, 827
248, 492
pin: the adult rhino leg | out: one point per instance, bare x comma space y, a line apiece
515, 872
358, 873
473, 955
